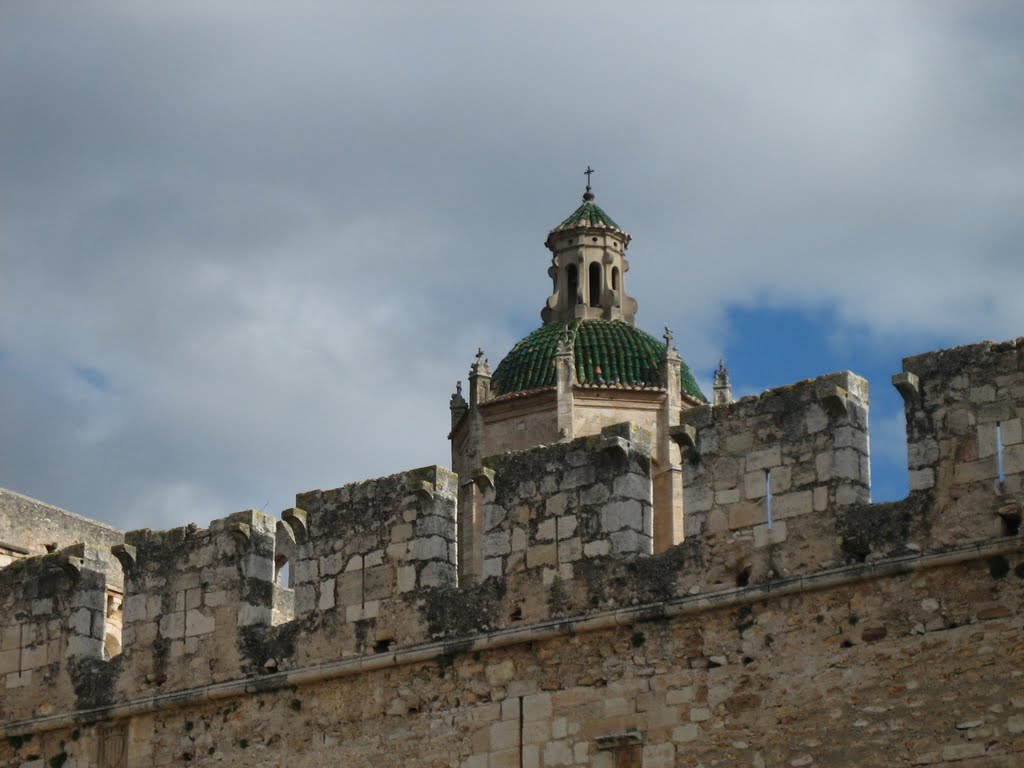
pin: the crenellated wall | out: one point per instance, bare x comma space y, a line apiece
549, 507
188, 591
579, 646
52, 619
965, 444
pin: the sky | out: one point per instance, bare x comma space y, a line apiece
247, 249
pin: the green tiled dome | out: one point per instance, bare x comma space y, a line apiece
607, 352
588, 215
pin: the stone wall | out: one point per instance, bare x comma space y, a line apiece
919, 669
550, 507
31, 527
965, 444
844, 633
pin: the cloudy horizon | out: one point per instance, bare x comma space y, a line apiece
246, 251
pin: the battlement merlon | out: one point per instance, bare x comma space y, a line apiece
965, 444
755, 463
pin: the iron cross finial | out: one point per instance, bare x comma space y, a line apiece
479, 353
588, 173
668, 336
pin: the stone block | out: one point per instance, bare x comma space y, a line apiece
558, 753
739, 443
986, 440
9, 661
755, 485
254, 615
846, 464
632, 486
684, 733
435, 574
355, 612
557, 504
815, 419
820, 498
305, 599
659, 755
80, 621
537, 707
922, 453
629, 541
730, 496
197, 623
304, 571
133, 608
851, 493
432, 548
766, 458
327, 597
545, 531
697, 499
594, 494
1011, 432
493, 516
401, 532
566, 526
1013, 459
406, 578
922, 479
780, 479
792, 504
499, 542
975, 471
617, 515
765, 536
519, 539
823, 466
172, 625
541, 554
598, 548
577, 477
746, 514
378, 582
78, 646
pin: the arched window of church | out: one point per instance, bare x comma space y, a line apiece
572, 283
615, 278
594, 276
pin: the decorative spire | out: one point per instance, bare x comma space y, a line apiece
480, 367
722, 388
668, 336
458, 402
588, 195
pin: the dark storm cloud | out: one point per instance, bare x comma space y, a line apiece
278, 232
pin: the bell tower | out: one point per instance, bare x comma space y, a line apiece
588, 267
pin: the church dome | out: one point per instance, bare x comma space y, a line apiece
589, 214
607, 352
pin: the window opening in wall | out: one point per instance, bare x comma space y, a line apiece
999, 452
572, 284
282, 573
595, 284
768, 497
615, 278
522, 733
113, 625
743, 577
